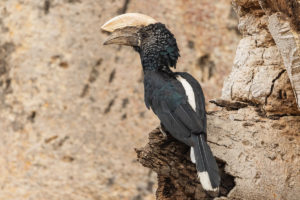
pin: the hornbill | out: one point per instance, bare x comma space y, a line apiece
175, 97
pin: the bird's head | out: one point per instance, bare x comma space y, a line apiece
152, 40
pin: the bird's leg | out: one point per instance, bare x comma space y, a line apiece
163, 130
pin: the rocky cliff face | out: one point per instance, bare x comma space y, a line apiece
71, 109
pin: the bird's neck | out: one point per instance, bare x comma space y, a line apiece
154, 64
150, 62
156, 68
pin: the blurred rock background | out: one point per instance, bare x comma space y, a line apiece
72, 110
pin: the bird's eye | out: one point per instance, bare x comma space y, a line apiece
144, 35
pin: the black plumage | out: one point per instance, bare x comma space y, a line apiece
158, 48
167, 97
175, 97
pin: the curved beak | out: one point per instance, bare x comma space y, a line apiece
124, 28
124, 36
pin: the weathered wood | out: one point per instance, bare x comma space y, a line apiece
177, 176
288, 43
262, 59
256, 138
284, 26
258, 158
290, 8
229, 105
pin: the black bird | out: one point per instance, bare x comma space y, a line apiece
175, 97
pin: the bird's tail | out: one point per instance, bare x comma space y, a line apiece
207, 168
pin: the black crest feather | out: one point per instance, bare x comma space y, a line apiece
158, 49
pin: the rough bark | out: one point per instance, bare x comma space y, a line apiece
256, 138
258, 158
284, 26
177, 177
261, 65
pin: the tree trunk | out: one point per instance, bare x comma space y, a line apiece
255, 137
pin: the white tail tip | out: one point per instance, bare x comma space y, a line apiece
205, 182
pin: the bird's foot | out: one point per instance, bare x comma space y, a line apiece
165, 136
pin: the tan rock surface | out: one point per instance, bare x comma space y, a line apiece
71, 110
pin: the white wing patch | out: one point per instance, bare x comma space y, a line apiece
192, 155
188, 91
